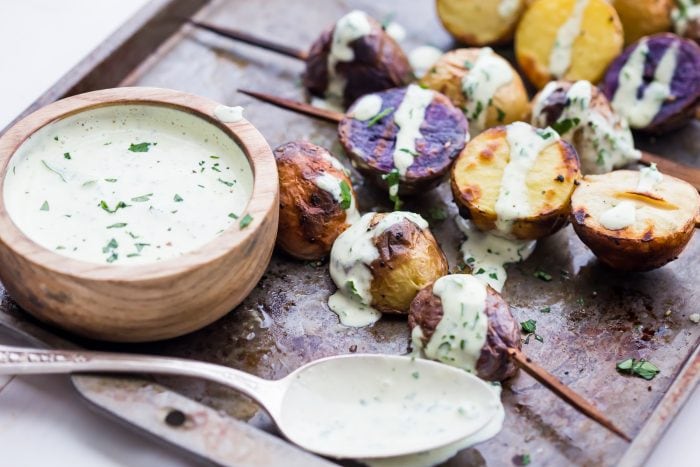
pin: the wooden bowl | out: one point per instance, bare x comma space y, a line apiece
152, 301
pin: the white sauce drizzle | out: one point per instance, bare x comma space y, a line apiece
423, 58
351, 255
487, 254
560, 56
366, 107
649, 177
619, 217
331, 184
396, 31
409, 117
603, 142
349, 28
153, 167
488, 74
640, 112
683, 14
227, 114
508, 8
526, 143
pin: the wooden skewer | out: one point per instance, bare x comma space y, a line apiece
563, 391
251, 39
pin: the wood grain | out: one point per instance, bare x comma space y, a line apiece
152, 301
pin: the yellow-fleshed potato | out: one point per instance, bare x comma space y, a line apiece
662, 222
479, 174
317, 201
508, 103
643, 17
567, 39
480, 22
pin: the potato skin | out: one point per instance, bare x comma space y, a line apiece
310, 218
477, 22
600, 41
446, 77
409, 259
503, 332
476, 180
652, 241
643, 17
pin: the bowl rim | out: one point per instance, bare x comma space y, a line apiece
262, 202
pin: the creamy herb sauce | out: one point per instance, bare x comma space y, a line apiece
560, 56
367, 107
349, 28
620, 216
640, 112
526, 143
603, 142
649, 177
508, 8
127, 184
351, 255
227, 114
409, 117
487, 254
333, 185
423, 58
487, 75
685, 12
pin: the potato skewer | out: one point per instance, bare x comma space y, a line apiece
684, 172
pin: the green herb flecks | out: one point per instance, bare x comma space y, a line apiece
529, 327
392, 179
416, 375
352, 290
177, 198
546, 309
523, 459
140, 147
89, 183
44, 206
111, 245
66, 155
245, 222
226, 182
642, 368
141, 246
345, 195
543, 276
501, 115
111, 180
437, 213
142, 198
377, 118
120, 205
118, 225
564, 126
54, 170
232, 215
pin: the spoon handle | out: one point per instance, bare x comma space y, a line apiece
25, 361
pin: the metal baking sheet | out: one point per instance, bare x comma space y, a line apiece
597, 317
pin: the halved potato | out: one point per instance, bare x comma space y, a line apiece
598, 42
663, 224
508, 104
479, 22
478, 174
643, 17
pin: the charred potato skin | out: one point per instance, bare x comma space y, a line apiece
409, 259
485, 149
685, 85
446, 77
627, 250
476, 22
643, 17
371, 148
310, 218
379, 64
494, 363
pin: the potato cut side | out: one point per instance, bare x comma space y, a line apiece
479, 22
665, 219
477, 178
600, 40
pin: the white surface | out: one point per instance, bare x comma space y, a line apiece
42, 420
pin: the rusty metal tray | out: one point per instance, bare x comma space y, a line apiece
597, 317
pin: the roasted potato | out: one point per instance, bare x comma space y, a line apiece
479, 177
591, 28
479, 22
643, 17
371, 142
686, 19
662, 220
484, 106
663, 106
583, 116
317, 201
491, 361
364, 59
383, 260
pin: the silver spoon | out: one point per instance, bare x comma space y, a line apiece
354, 406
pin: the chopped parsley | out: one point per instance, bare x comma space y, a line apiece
45, 206
493, 276
408, 151
501, 115
177, 198
89, 182
480, 271
121, 204
142, 198
345, 195
415, 375
438, 213
227, 183
478, 110
66, 155
140, 246
564, 126
642, 368
392, 180
232, 215
140, 147
529, 327
546, 309
245, 222
118, 225
110, 180
523, 459
543, 276
350, 287
53, 170
377, 118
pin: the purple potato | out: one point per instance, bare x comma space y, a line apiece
680, 107
370, 145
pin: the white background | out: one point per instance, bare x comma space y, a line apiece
42, 420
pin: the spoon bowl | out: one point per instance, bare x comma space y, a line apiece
354, 406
